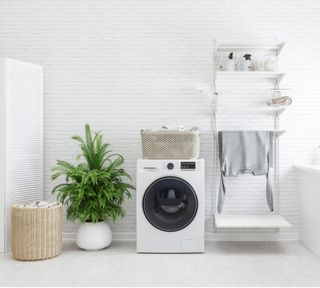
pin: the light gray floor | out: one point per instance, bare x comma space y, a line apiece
223, 264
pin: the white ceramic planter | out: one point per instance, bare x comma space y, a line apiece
94, 236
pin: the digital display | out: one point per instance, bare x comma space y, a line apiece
188, 165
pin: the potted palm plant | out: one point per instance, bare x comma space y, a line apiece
94, 190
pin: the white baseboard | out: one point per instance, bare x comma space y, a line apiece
66, 236
226, 236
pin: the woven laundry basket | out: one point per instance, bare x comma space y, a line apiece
36, 232
168, 144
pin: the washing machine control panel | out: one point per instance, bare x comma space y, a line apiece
188, 166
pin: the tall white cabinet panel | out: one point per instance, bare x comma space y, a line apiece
309, 202
21, 138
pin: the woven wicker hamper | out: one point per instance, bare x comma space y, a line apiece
36, 232
170, 144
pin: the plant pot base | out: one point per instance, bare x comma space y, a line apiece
94, 236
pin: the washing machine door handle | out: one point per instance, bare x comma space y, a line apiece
169, 198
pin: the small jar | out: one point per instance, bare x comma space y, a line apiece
220, 63
259, 63
270, 63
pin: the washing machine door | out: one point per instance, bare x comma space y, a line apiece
170, 204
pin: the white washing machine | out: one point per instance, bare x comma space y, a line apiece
170, 206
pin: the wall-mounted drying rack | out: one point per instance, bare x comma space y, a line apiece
256, 220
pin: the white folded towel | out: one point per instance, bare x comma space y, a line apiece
39, 204
173, 128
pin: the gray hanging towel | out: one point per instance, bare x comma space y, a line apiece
245, 152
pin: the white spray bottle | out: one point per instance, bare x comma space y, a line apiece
231, 63
247, 64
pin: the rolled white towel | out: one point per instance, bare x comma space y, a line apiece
39, 204
173, 128
284, 100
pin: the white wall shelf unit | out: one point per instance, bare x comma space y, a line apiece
267, 109
265, 220
255, 220
278, 109
275, 75
225, 47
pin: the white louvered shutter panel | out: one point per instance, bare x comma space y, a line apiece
23, 136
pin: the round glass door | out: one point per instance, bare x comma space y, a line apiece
170, 204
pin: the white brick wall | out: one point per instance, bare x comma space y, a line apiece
126, 65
